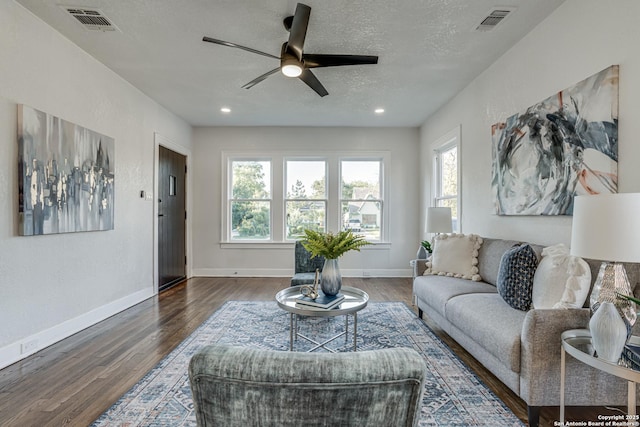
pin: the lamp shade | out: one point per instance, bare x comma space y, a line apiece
438, 220
606, 227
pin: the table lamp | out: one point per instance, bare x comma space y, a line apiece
606, 227
438, 221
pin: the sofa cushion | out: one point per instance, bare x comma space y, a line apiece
561, 280
437, 290
494, 325
515, 276
455, 255
577, 286
489, 257
550, 277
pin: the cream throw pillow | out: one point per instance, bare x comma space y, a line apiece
561, 280
455, 255
576, 289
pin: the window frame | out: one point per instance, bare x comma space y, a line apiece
278, 160
285, 198
445, 143
228, 197
381, 195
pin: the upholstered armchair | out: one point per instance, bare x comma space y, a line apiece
237, 386
305, 266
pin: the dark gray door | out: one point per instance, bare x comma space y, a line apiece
172, 216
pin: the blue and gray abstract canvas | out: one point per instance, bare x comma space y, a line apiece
564, 146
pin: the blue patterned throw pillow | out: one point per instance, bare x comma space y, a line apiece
515, 276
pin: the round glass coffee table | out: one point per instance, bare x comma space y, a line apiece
354, 300
577, 342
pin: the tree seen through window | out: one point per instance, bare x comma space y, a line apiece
250, 204
305, 203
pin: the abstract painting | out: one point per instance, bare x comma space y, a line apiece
564, 146
66, 176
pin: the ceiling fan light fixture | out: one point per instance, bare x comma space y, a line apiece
293, 61
291, 69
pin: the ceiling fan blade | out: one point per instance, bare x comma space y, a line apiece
312, 81
320, 60
298, 30
257, 80
229, 44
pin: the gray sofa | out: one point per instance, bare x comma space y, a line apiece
521, 348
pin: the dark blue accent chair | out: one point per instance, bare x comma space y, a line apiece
305, 266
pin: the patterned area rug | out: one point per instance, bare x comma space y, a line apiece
454, 396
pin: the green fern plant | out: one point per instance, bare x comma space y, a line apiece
332, 245
628, 298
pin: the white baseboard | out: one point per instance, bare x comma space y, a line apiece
36, 342
253, 272
388, 272
241, 272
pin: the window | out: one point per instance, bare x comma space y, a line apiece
446, 189
306, 197
270, 197
360, 197
250, 201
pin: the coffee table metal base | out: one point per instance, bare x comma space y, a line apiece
354, 300
294, 334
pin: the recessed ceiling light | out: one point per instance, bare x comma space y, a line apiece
379, 110
225, 109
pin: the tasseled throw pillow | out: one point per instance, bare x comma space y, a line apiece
455, 255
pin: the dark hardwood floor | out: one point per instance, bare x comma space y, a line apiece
72, 382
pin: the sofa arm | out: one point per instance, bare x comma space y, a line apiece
419, 266
540, 352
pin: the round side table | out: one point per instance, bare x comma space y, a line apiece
577, 342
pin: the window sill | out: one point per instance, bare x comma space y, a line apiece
286, 245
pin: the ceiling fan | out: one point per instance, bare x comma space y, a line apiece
293, 61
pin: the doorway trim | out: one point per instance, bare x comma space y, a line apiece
160, 140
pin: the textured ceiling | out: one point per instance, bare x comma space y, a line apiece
428, 51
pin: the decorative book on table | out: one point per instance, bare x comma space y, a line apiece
323, 301
631, 356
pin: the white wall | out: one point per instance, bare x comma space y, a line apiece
581, 38
52, 286
210, 259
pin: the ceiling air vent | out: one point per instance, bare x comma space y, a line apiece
91, 19
495, 16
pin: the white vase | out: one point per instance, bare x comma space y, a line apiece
608, 332
331, 280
